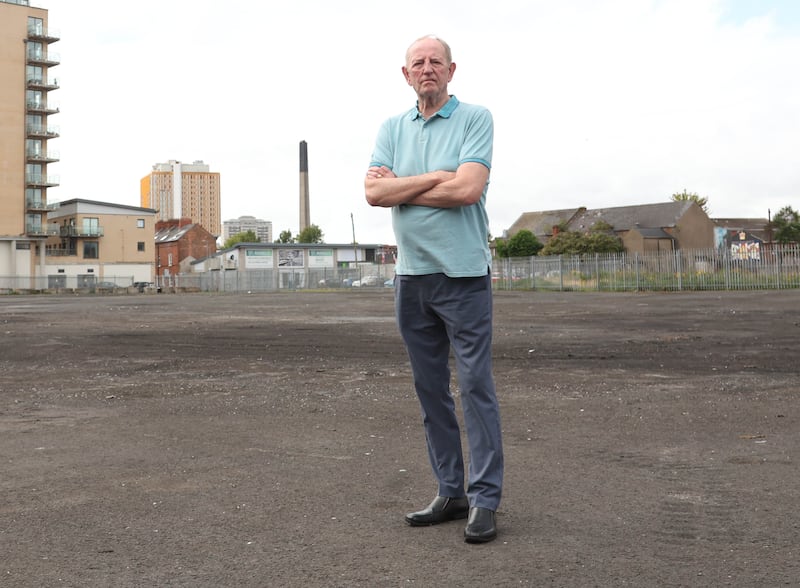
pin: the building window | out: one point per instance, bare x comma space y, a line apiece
35, 50
169, 259
91, 226
35, 25
140, 246
139, 223
34, 73
91, 250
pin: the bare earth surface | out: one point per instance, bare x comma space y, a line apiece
275, 440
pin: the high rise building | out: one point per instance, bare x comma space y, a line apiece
184, 190
262, 228
25, 133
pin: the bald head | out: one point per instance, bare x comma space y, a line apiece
447, 53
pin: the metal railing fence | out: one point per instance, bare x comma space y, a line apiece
260, 280
64, 283
708, 269
775, 267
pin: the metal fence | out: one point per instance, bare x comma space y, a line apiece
258, 280
64, 283
768, 268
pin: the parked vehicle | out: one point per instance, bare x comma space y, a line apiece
368, 281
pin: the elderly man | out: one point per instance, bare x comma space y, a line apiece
431, 166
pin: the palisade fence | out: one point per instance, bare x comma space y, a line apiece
710, 269
771, 267
260, 280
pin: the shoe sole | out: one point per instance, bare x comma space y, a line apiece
485, 539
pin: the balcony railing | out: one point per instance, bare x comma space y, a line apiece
58, 252
81, 231
46, 59
41, 180
35, 205
40, 84
39, 230
39, 108
42, 156
44, 35
41, 132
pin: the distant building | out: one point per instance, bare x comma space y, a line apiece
99, 242
179, 242
262, 228
184, 190
25, 133
665, 226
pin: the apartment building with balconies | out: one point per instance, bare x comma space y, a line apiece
26, 63
92, 242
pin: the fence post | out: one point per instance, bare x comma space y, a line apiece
597, 269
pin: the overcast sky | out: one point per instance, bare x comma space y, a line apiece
596, 103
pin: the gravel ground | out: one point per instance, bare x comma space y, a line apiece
275, 440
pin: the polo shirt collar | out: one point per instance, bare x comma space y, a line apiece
445, 111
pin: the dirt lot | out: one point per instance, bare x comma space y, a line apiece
275, 440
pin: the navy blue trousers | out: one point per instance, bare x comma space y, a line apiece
437, 314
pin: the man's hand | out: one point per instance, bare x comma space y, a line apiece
382, 171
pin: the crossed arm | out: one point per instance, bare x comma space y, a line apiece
439, 189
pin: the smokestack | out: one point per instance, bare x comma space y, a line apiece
305, 209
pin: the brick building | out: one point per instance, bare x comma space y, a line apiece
180, 242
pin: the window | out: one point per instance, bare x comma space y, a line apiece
33, 196
35, 25
35, 50
33, 147
34, 98
140, 246
169, 259
34, 73
91, 250
33, 223
91, 226
139, 223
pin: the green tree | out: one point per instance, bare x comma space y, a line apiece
285, 237
787, 225
576, 243
685, 196
244, 237
311, 234
523, 244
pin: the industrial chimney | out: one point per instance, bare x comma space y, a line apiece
305, 210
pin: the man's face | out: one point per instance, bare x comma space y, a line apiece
427, 69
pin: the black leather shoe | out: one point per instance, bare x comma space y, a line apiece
481, 526
441, 510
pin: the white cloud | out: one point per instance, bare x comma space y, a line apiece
601, 103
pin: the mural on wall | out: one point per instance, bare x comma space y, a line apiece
742, 245
290, 258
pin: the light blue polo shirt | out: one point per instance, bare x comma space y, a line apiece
453, 241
